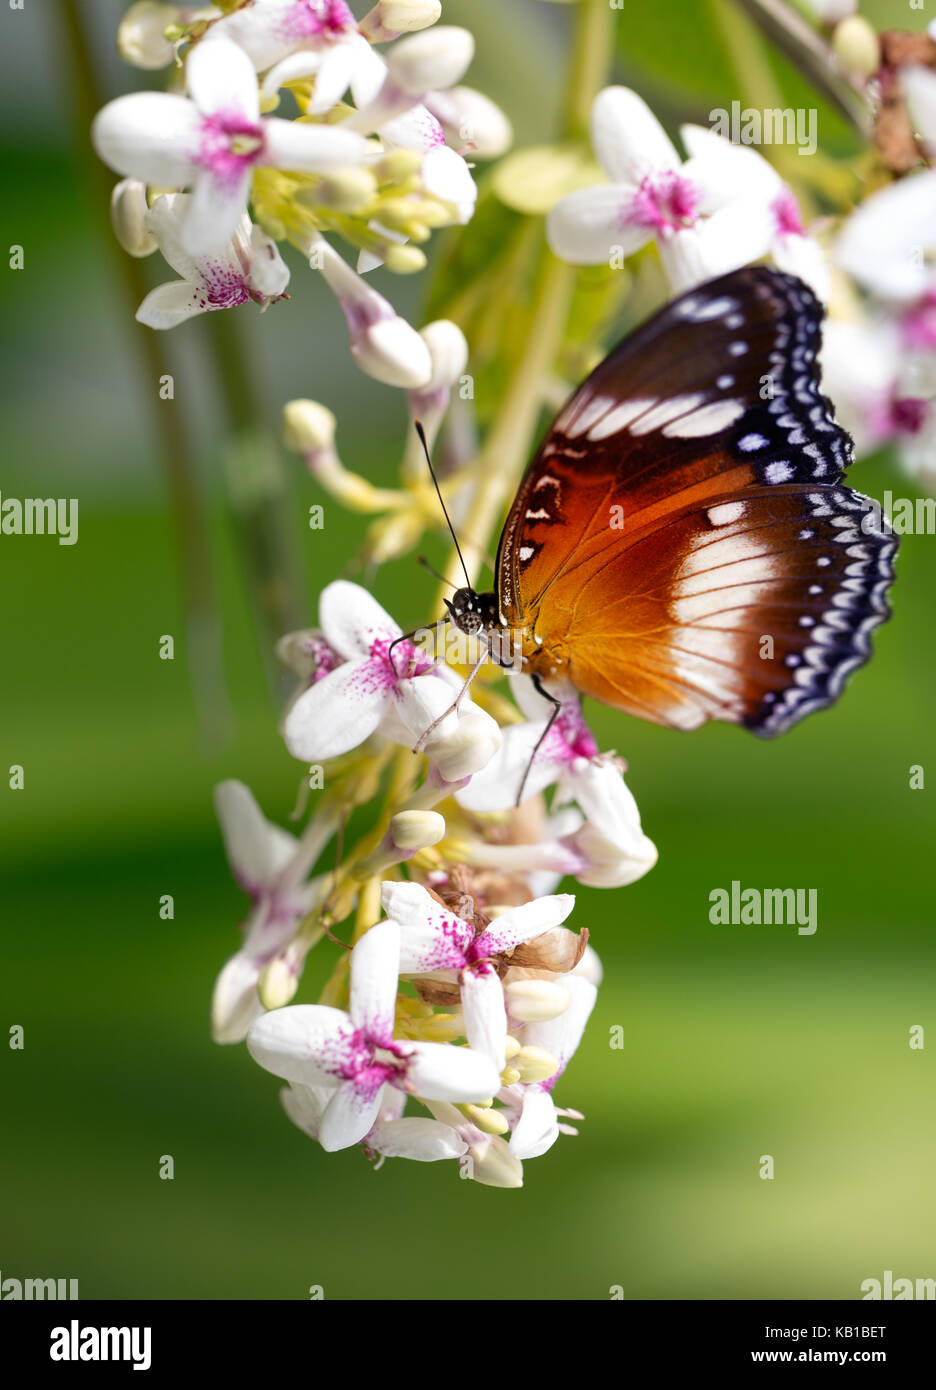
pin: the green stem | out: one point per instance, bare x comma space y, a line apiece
187, 513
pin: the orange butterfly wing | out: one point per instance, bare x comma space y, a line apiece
686, 551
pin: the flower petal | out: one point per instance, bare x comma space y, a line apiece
307, 1043
352, 620
220, 78
562, 1035
305, 1106
348, 1117
589, 226
725, 171
375, 970
442, 1071
426, 1141
878, 241
255, 849
216, 208
538, 1127
497, 785
522, 923
235, 1004
485, 1014
169, 305
151, 135
919, 85
431, 936
627, 138
261, 30
311, 149
336, 714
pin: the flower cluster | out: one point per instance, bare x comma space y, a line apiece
380, 174
462, 991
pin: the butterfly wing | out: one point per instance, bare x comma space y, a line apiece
682, 546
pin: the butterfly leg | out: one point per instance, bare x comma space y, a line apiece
454, 706
556, 707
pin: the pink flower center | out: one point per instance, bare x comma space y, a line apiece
665, 201
317, 19
787, 214
918, 326
230, 144
569, 738
908, 415
221, 287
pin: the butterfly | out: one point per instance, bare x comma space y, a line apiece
682, 546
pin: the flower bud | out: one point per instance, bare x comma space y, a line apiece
346, 190
535, 1001
472, 122
430, 61
535, 1064
404, 260
487, 1120
392, 351
128, 217
277, 984
467, 749
856, 46
141, 39
415, 830
448, 349
389, 18
308, 427
490, 1162
235, 1002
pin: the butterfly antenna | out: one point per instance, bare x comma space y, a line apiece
421, 560
448, 520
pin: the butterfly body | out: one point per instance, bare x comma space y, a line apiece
683, 547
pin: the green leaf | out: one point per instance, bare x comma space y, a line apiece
533, 180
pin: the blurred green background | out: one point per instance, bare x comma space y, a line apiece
739, 1041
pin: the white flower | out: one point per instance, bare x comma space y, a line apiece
270, 865
391, 1136
356, 1052
212, 140
535, 1124
448, 352
471, 121
249, 268
398, 694
433, 938
724, 207
383, 344
608, 848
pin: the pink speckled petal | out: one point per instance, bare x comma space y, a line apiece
336, 714
308, 1043
519, 924
431, 937
375, 972
351, 619
348, 1117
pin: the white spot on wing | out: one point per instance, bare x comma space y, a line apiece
620, 417
710, 419
665, 412
725, 513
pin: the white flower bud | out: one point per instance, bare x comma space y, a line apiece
277, 984
535, 1001
235, 1002
141, 37
489, 1161
610, 866
432, 60
472, 122
308, 427
448, 349
391, 17
392, 351
128, 217
467, 749
414, 830
857, 47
